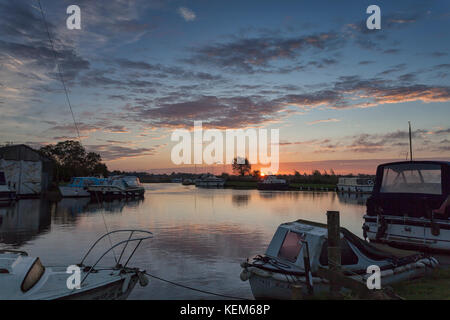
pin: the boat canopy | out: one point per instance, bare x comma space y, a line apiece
85, 181
288, 246
411, 188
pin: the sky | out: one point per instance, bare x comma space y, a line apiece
338, 92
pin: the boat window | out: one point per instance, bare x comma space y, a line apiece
34, 274
2, 179
412, 178
291, 246
348, 257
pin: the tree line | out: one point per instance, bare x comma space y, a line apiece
72, 160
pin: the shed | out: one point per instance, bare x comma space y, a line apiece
26, 171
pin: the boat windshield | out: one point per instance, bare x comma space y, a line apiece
412, 178
291, 246
33, 276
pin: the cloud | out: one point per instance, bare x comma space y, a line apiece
85, 128
216, 112
187, 14
324, 120
110, 152
179, 110
255, 54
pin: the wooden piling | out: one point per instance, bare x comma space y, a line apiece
334, 249
297, 292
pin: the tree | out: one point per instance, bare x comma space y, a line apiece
72, 160
316, 173
241, 166
256, 173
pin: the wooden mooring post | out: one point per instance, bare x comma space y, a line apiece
334, 249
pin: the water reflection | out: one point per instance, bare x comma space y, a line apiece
241, 200
353, 198
24, 220
200, 235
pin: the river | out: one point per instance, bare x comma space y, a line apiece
200, 235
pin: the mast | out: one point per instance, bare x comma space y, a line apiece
410, 142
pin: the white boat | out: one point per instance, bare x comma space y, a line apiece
273, 183
209, 181
77, 187
355, 185
410, 205
118, 187
274, 274
25, 278
6, 194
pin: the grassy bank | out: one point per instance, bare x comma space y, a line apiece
433, 287
312, 186
235, 184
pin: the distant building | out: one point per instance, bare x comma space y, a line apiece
26, 171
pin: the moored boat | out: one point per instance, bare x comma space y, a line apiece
274, 274
6, 194
78, 186
209, 181
410, 205
25, 278
118, 187
355, 185
272, 183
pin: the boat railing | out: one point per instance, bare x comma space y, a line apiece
134, 236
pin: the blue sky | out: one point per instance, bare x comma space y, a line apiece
137, 70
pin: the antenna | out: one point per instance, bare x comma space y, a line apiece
410, 142
60, 73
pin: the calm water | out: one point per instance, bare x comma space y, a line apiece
200, 235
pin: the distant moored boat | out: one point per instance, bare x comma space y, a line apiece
78, 186
355, 185
272, 183
118, 187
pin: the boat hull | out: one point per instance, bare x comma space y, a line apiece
73, 192
355, 188
112, 192
270, 285
414, 233
116, 290
210, 185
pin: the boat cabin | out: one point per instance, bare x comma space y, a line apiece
273, 179
126, 181
418, 189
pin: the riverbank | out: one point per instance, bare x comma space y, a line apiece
237, 184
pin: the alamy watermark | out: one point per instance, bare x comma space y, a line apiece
74, 280
223, 146
374, 280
